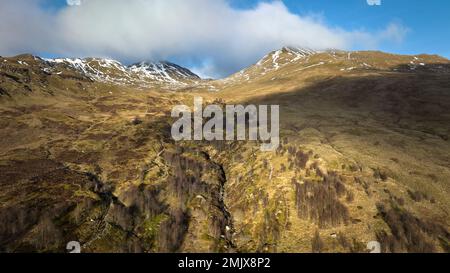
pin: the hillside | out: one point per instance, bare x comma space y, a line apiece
86, 155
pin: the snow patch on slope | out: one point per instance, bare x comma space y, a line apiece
272, 62
144, 73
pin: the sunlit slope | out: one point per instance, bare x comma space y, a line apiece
379, 121
282, 71
364, 157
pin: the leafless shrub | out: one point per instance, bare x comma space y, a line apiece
292, 150
317, 244
350, 196
48, 234
398, 200
364, 184
265, 163
417, 196
136, 121
301, 159
380, 174
291, 166
394, 159
342, 240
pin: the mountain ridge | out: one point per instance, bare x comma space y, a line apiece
155, 71
363, 157
147, 72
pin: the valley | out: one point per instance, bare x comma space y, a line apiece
86, 154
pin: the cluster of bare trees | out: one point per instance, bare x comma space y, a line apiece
409, 233
318, 201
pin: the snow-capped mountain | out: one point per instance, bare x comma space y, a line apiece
107, 70
273, 61
278, 58
163, 71
286, 63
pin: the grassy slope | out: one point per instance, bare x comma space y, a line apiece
365, 157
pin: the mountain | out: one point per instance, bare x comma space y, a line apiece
295, 60
164, 71
144, 74
272, 62
86, 155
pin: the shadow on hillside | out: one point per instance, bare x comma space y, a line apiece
408, 100
416, 100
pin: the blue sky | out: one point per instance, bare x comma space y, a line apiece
428, 21
218, 37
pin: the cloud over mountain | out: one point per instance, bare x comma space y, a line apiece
211, 35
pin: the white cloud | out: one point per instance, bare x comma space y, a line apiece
394, 32
73, 2
208, 32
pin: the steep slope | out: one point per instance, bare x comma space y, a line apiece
364, 155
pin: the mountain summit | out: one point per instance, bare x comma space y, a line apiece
163, 71
143, 74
